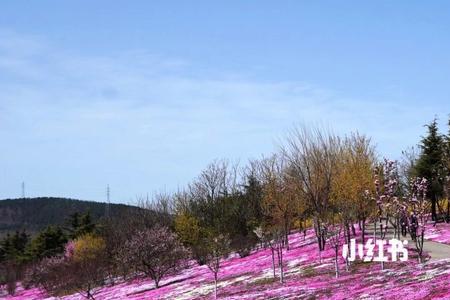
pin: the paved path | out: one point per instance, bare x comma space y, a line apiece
435, 250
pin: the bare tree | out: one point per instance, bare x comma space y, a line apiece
217, 247
273, 237
279, 194
407, 164
214, 181
217, 181
312, 155
334, 236
157, 209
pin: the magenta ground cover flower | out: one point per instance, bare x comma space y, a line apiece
439, 233
251, 278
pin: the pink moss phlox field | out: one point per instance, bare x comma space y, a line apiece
306, 277
439, 233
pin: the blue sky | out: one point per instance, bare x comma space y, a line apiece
143, 94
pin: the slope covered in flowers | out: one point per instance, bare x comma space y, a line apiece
306, 277
439, 233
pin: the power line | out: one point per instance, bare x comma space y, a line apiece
23, 189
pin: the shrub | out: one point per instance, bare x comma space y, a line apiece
81, 269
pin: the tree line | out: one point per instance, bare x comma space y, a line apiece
333, 184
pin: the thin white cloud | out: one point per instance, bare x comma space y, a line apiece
140, 121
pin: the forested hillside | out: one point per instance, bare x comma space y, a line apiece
34, 214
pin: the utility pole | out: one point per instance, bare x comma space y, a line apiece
23, 189
108, 201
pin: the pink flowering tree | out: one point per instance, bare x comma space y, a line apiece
69, 249
155, 252
50, 274
82, 268
419, 213
386, 190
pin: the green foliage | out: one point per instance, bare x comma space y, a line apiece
79, 224
188, 229
18, 252
35, 214
253, 198
81, 270
431, 163
12, 258
12, 247
233, 214
47, 243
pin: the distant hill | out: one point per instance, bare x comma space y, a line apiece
34, 214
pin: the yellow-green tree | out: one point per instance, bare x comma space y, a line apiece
88, 265
87, 248
352, 185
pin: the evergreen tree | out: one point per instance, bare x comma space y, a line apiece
47, 243
12, 247
447, 173
86, 226
431, 164
79, 225
254, 194
6, 248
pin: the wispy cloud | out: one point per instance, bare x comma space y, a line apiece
71, 123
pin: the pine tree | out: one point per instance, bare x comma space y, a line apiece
47, 243
431, 164
253, 196
447, 171
79, 225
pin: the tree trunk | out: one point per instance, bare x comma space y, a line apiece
353, 230
421, 247
286, 233
347, 262
363, 230
448, 211
88, 292
336, 262
374, 231
318, 233
280, 262
215, 285
347, 230
324, 240
433, 208
273, 262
